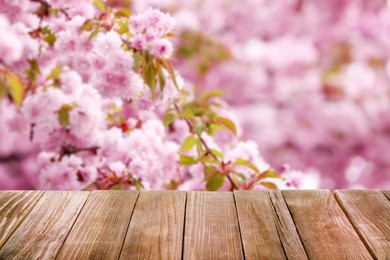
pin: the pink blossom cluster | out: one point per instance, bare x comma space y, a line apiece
148, 32
83, 105
309, 80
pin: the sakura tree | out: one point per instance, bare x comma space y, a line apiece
89, 99
309, 80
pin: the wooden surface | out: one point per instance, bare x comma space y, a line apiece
305, 224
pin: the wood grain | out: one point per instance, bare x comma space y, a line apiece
323, 227
44, 230
258, 231
156, 227
369, 213
101, 227
211, 227
14, 207
285, 226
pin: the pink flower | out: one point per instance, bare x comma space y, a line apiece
162, 48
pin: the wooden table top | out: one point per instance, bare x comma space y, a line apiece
304, 224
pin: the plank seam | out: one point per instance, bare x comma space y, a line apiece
383, 192
339, 202
184, 227
239, 227
296, 228
277, 228
128, 226
21, 221
78, 214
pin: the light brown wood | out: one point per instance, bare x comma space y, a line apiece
211, 227
258, 231
43, 231
14, 207
156, 227
101, 227
323, 227
369, 213
287, 231
387, 193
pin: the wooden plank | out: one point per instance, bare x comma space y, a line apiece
156, 227
258, 231
287, 231
14, 207
101, 227
44, 230
323, 227
369, 213
211, 227
387, 193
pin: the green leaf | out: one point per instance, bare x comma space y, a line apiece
100, 5
207, 159
212, 93
55, 73
63, 115
33, 70
16, 88
247, 164
217, 153
123, 27
188, 143
118, 186
149, 77
93, 34
229, 124
50, 38
187, 160
188, 113
269, 185
169, 118
271, 174
215, 183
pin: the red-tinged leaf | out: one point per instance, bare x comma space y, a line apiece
229, 124
3, 89
100, 5
187, 160
188, 143
215, 183
124, 12
16, 88
88, 25
247, 164
170, 70
269, 185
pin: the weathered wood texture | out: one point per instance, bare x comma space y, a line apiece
258, 230
14, 207
323, 227
302, 224
157, 226
369, 213
287, 231
100, 229
45, 228
211, 228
